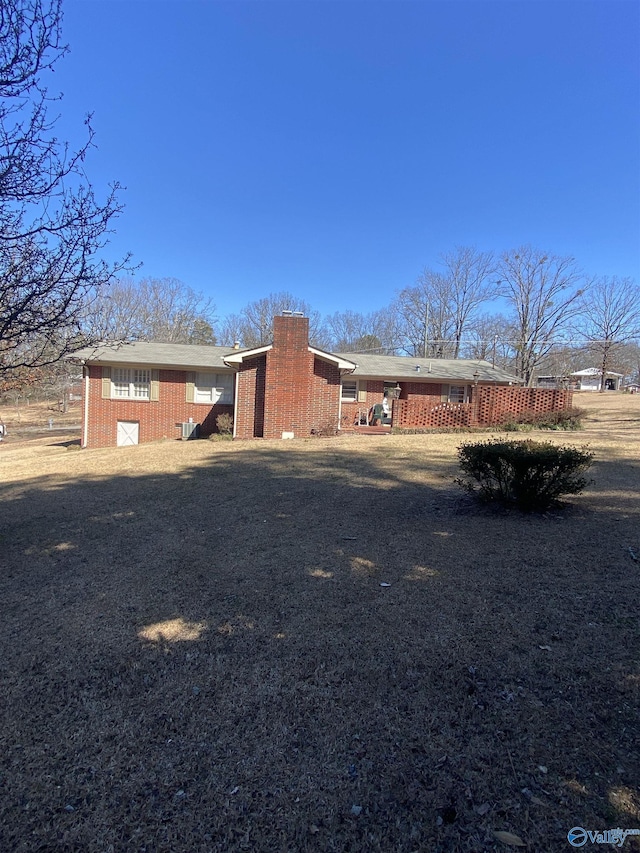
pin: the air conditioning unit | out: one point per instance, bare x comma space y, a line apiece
190, 430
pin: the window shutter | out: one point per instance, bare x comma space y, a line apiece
191, 386
106, 383
154, 390
444, 393
362, 392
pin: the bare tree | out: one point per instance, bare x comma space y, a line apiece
630, 360
56, 382
231, 330
351, 331
470, 282
561, 361
436, 312
253, 326
542, 291
20, 382
609, 319
112, 313
411, 307
488, 337
152, 309
52, 228
425, 315
346, 327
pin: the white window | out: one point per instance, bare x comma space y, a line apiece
213, 388
458, 394
131, 383
350, 390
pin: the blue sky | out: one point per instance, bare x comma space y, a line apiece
335, 149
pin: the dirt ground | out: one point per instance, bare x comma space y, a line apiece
315, 645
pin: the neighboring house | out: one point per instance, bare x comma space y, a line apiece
557, 382
148, 391
582, 380
632, 388
591, 379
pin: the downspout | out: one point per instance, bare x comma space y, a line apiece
85, 425
235, 404
235, 394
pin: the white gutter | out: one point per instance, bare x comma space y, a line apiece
344, 371
235, 403
85, 426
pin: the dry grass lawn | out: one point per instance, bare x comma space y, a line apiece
197, 653
25, 419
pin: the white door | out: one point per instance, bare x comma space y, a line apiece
127, 433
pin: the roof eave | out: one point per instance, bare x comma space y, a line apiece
431, 377
238, 356
158, 365
341, 363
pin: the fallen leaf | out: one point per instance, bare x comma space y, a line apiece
313, 828
509, 838
385, 584
537, 801
545, 648
483, 809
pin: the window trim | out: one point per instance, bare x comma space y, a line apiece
227, 388
131, 382
353, 399
465, 396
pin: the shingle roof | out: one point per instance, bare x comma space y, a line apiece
594, 371
158, 355
431, 369
389, 367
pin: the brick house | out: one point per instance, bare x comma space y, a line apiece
142, 392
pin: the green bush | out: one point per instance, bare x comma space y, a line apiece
531, 475
568, 419
510, 425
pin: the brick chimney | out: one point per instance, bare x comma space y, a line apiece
291, 332
288, 404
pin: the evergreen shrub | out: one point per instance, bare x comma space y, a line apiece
531, 475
